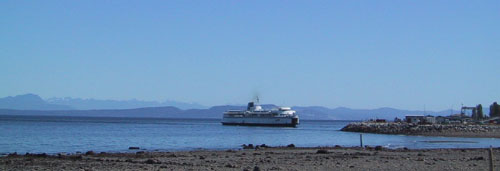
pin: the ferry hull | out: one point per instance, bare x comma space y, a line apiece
277, 122
260, 124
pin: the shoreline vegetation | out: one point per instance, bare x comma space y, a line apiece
263, 158
445, 130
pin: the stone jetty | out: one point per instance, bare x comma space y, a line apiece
460, 130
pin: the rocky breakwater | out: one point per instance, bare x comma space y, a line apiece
462, 130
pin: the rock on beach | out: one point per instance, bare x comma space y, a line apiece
450, 130
275, 158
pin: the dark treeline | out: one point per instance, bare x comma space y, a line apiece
494, 110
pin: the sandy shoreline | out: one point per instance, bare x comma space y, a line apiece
326, 158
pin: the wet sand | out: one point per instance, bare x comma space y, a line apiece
282, 158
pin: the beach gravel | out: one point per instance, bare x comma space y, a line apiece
324, 158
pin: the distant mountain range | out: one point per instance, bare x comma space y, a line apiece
31, 104
34, 102
86, 104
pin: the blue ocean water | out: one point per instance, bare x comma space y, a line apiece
44, 134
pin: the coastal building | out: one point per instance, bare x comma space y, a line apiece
420, 119
453, 119
416, 119
430, 119
442, 120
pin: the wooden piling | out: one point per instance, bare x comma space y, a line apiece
361, 140
491, 158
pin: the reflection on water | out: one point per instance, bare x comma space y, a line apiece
450, 141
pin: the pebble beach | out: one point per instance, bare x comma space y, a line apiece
278, 158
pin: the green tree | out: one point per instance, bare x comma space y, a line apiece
480, 114
494, 110
497, 110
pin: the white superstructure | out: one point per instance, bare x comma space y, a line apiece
256, 116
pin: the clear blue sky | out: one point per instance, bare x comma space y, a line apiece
359, 54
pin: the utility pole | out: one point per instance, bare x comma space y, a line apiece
425, 111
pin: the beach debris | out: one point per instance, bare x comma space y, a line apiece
291, 145
249, 146
152, 161
230, 165
75, 157
277, 168
41, 155
477, 158
362, 154
62, 154
37, 155
134, 148
322, 151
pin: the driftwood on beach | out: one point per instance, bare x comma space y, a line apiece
486, 131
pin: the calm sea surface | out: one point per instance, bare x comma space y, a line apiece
36, 134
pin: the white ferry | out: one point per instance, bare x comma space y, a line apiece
256, 116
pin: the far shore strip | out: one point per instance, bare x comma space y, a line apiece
445, 130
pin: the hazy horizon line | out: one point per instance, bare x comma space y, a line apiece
232, 104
